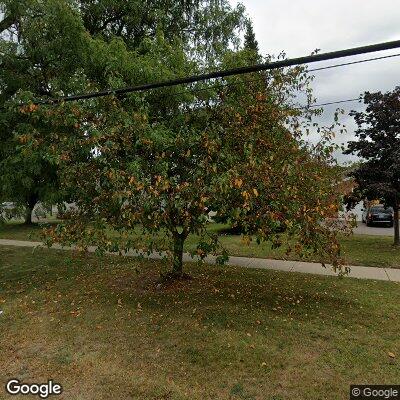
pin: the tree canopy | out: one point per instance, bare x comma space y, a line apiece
250, 41
378, 146
238, 151
161, 160
40, 54
206, 28
57, 47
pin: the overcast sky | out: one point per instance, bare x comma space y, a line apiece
300, 26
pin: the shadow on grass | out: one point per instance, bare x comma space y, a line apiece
229, 297
19, 231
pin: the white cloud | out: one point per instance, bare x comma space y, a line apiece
301, 26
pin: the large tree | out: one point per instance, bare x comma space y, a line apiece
44, 46
54, 47
161, 160
378, 145
237, 147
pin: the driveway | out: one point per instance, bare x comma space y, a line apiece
363, 229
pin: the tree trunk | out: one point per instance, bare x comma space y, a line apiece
7, 22
396, 227
30, 205
177, 265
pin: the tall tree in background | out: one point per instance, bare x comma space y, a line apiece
207, 28
250, 41
250, 44
378, 145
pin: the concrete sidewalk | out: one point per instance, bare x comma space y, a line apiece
383, 274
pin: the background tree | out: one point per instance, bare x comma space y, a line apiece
250, 41
206, 28
378, 145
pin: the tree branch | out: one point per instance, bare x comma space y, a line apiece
7, 22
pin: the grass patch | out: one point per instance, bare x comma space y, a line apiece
103, 329
370, 251
19, 231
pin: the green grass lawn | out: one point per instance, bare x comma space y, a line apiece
103, 329
371, 251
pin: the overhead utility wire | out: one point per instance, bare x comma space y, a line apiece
231, 84
295, 108
334, 102
234, 71
312, 105
354, 62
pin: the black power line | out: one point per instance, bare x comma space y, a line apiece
354, 62
230, 72
334, 102
231, 84
305, 107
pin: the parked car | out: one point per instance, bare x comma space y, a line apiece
379, 215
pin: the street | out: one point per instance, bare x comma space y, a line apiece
363, 229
